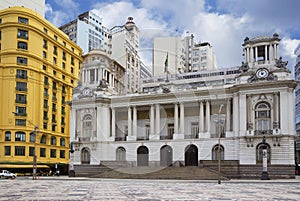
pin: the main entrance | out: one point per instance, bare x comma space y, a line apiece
191, 155
166, 155
142, 156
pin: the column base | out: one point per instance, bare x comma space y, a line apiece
178, 136
71, 173
265, 176
130, 138
154, 137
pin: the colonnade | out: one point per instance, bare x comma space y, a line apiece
251, 53
179, 118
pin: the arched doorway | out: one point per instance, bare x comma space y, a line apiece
85, 156
259, 152
142, 156
166, 155
121, 154
191, 155
214, 152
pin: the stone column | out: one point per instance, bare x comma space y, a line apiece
251, 55
152, 120
249, 113
129, 122
201, 117
266, 53
236, 115
228, 115
256, 53
276, 112
176, 118
113, 122
181, 118
207, 116
134, 125
157, 122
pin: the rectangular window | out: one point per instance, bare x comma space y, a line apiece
45, 115
44, 55
7, 150
46, 81
42, 152
22, 74
21, 98
194, 130
53, 153
20, 111
44, 67
21, 60
22, 45
31, 151
20, 150
22, 34
64, 56
63, 65
45, 44
20, 122
55, 37
62, 153
54, 85
21, 86
170, 131
54, 60
45, 30
54, 50
72, 70
72, 60
45, 103
22, 20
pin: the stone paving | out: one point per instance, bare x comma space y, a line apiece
81, 189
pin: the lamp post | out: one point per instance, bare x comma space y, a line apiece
219, 146
34, 166
264, 173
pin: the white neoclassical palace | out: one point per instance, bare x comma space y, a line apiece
179, 119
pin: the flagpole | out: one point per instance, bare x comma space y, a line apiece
166, 68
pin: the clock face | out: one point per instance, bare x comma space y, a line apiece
86, 91
262, 73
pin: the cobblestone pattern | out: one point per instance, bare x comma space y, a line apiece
66, 189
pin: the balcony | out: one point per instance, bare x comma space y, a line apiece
21, 114
21, 88
141, 138
191, 136
166, 137
21, 101
263, 132
84, 139
120, 138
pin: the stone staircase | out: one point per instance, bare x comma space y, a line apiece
190, 172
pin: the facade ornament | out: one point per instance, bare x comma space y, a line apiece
281, 64
102, 85
86, 92
244, 67
262, 75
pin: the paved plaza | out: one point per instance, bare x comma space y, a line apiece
79, 189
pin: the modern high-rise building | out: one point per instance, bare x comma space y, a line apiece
39, 67
184, 55
35, 5
86, 31
297, 104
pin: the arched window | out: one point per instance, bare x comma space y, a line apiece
121, 154
263, 116
259, 152
62, 142
87, 126
53, 140
32, 137
7, 136
85, 156
215, 150
43, 139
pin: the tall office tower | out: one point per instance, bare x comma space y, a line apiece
125, 50
170, 49
35, 5
145, 71
297, 104
39, 67
184, 55
86, 31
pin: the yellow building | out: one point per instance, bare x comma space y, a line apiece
39, 67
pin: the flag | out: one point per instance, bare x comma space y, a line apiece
166, 64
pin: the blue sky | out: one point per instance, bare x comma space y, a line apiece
222, 23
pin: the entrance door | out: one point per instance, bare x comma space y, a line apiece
166, 155
191, 155
85, 156
142, 156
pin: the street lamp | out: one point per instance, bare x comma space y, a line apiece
264, 174
34, 153
219, 146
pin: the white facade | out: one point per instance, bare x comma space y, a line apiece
181, 121
35, 5
203, 58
